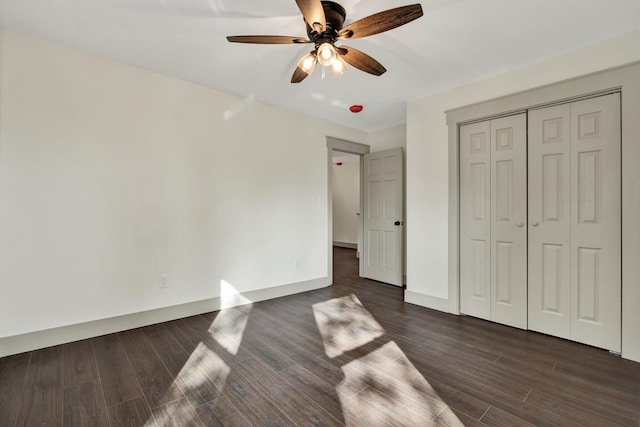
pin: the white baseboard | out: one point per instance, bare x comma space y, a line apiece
428, 301
49, 337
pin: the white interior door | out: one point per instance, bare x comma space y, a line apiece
508, 219
575, 221
493, 213
383, 216
475, 220
596, 222
549, 220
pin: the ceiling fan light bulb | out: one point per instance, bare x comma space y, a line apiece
338, 67
308, 62
326, 54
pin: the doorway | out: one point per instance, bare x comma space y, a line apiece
381, 205
346, 201
336, 145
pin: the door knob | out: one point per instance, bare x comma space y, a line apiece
534, 223
519, 224
397, 223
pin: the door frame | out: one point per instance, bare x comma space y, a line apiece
342, 145
626, 80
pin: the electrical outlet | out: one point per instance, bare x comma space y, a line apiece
164, 281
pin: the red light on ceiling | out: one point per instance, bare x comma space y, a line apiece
355, 108
338, 163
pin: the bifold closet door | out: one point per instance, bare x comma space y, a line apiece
550, 220
475, 220
493, 209
575, 221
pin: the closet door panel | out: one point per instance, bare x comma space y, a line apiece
596, 222
475, 223
508, 216
549, 240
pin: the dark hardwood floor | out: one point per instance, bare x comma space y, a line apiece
351, 354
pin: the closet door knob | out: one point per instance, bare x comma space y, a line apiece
534, 223
519, 224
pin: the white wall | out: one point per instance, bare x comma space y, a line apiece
346, 201
112, 176
427, 153
387, 138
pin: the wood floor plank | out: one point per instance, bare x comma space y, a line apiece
328, 396
394, 412
42, 396
450, 418
318, 365
266, 353
183, 334
158, 387
79, 363
460, 401
220, 412
13, 374
46, 367
594, 413
196, 386
495, 417
84, 405
41, 405
290, 399
169, 351
253, 404
139, 351
200, 325
118, 380
185, 368
623, 383
177, 413
132, 413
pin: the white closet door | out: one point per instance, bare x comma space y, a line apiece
549, 220
493, 211
475, 220
596, 222
575, 221
509, 215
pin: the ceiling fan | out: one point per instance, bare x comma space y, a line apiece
324, 21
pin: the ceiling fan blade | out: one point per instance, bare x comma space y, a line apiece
361, 60
381, 22
313, 13
298, 75
267, 39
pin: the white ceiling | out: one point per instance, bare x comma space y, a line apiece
456, 41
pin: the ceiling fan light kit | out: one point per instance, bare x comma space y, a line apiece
325, 21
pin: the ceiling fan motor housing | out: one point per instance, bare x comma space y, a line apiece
335, 16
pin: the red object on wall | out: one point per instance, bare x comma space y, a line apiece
338, 163
355, 108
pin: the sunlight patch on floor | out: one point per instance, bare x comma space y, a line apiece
345, 325
396, 391
204, 363
228, 326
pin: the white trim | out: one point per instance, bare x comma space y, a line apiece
625, 79
427, 301
50, 337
